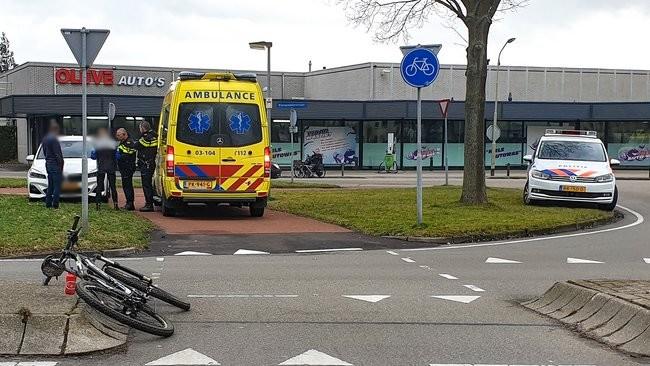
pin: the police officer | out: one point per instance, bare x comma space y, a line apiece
126, 156
105, 152
147, 146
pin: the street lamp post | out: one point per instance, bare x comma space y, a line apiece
496, 104
264, 45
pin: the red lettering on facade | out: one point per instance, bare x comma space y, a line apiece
93, 77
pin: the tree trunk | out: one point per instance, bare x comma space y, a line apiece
474, 173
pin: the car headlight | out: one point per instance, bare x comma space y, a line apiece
605, 178
540, 174
33, 174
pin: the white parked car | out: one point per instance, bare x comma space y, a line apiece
71, 146
571, 166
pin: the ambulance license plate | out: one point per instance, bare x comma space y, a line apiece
579, 189
201, 185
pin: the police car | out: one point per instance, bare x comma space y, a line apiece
571, 165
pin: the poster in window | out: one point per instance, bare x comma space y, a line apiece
337, 144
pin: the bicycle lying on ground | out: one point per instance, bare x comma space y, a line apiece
114, 290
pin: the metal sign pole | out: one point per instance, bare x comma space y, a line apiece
292, 153
84, 132
446, 154
419, 161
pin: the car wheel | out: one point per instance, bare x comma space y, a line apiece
526, 196
165, 208
257, 208
610, 206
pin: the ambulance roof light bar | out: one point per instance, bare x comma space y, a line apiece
581, 133
194, 75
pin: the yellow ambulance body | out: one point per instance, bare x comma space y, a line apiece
214, 143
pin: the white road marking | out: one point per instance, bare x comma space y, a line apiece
155, 273
160, 259
647, 260
447, 276
185, 357
368, 298
189, 252
500, 261
516, 364
314, 357
474, 288
391, 252
247, 251
408, 260
241, 296
582, 261
639, 220
463, 299
201, 296
328, 250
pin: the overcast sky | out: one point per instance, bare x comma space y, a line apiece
215, 33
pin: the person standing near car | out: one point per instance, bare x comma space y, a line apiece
147, 147
105, 153
53, 165
126, 156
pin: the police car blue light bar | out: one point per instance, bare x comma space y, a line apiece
582, 133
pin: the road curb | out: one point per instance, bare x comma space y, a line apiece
609, 319
120, 252
439, 241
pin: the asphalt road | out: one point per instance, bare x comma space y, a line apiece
442, 305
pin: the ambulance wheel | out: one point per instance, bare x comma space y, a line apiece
165, 208
257, 209
610, 206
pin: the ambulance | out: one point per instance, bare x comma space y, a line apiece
571, 165
214, 143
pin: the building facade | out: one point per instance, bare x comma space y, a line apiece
349, 112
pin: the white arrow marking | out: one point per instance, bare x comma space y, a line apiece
647, 260
408, 260
474, 288
246, 251
313, 357
368, 298
192, 253
391, 252
500, 261
447, 276
463, 299
185, 357
581, 261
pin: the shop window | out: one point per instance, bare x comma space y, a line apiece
338, 141
599, 127
375, 139
629, 142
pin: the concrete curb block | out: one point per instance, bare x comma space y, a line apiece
119, 252
618, 323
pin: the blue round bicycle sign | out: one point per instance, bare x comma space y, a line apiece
420, 67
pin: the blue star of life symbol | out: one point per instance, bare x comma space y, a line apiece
199, 122
240, 123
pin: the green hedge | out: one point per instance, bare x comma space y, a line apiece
8, 143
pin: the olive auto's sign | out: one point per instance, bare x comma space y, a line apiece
105, 77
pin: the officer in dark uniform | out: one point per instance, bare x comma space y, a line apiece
105, 152
126, 156
147, 147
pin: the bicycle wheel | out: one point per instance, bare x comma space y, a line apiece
113, 304
411, 70
138, 284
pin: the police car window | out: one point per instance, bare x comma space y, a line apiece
572, 150
218, 124
70, 149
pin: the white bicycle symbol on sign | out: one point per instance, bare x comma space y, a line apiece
420, 65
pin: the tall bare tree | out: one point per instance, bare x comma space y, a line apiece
392, 19
6, 55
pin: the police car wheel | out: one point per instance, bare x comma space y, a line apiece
166, 210
610, 206
526, 197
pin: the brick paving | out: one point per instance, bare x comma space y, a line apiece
634, 291
224, 220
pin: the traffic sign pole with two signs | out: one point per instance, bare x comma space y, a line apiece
420, 68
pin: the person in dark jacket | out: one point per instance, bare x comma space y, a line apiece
147, 147
126, 157
105, 153
53, 165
